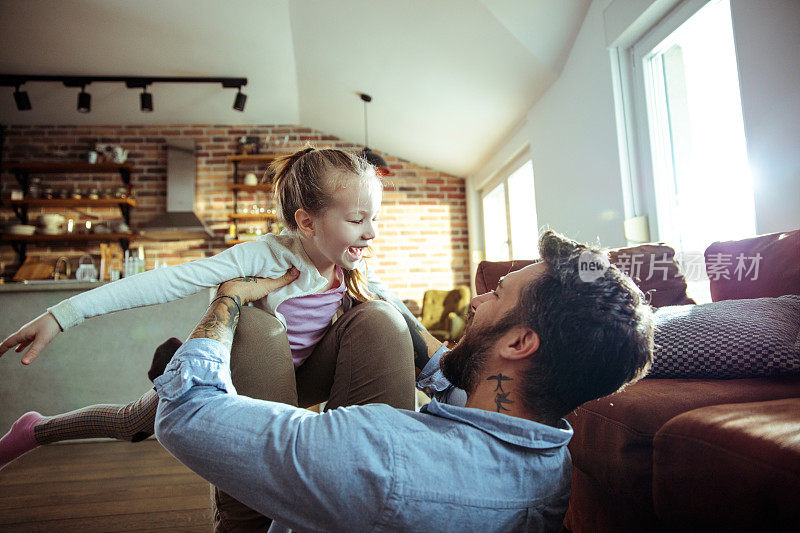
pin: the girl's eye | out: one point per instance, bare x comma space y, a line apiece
355, 221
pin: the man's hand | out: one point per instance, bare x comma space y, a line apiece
250, 288
37, 334
222, 315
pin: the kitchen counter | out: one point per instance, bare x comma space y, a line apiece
49, 285
103, 360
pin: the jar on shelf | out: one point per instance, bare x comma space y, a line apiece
35, 188
122, 192
107, 193
94, 194
48, 193
76, 194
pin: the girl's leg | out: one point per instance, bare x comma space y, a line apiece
365, 357
261, 368
132, 422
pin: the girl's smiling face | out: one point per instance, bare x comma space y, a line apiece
340, 234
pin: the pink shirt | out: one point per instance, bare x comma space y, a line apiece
308, 318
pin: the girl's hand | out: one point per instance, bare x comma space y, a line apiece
37, 334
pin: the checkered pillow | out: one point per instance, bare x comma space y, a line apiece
728, 339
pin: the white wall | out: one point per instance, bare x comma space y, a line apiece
573, 140
572, 129
767, 37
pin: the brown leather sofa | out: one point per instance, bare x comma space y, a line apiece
690, 454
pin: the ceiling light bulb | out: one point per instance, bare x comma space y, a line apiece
22, 100
146, 101
84, 101
241, 98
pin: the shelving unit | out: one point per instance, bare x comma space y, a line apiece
20, 207
237, 187
22, 172
252, 216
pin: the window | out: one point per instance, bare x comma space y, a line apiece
509, 217
693, 177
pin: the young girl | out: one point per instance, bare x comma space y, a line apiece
329, 201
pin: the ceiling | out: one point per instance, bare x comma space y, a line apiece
449, 78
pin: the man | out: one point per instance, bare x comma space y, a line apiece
541, 344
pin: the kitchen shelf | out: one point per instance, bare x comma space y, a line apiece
251, 158
22, 172
252, 216
261, 187
237, 187
238, 241
72, 202
20, 207
20, 242
70, 167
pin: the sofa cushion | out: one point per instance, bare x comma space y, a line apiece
613, 441
728, 339
770, 266
488, 274
730, 467
652, 266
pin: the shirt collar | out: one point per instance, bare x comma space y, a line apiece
511, 429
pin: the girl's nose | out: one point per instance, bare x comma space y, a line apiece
369, 231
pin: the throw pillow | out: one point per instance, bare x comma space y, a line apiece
728, 339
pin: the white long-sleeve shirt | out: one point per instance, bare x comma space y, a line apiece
269, 256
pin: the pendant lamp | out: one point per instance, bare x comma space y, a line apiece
373, 158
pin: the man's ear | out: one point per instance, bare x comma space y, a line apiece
305, 222
518, 342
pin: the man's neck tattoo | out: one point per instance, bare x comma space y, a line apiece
502, 396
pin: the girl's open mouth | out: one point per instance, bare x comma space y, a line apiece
355, 252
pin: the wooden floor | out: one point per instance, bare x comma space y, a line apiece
102, 486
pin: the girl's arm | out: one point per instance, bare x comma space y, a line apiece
258, 258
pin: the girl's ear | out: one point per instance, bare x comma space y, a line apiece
305, 222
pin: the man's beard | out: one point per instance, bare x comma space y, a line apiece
463, 365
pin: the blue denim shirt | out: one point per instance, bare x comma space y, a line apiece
363, 468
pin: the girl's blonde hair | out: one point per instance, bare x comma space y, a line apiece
307, 180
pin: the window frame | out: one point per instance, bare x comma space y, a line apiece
515, 163
641, 189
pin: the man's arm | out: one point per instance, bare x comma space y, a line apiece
268, 455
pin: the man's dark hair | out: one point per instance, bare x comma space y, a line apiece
595, 336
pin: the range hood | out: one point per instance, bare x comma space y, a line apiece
180, 221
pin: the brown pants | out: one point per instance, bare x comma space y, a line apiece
365, 357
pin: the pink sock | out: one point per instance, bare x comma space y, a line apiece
19, 440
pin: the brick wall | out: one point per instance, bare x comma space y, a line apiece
423, 228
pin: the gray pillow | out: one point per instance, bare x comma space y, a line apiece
728, 339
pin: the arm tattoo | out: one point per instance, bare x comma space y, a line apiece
246, 279
219, 322
502, 396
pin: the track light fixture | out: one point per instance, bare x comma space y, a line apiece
22, 100
84, 101
239, 101
138, 82
146, 101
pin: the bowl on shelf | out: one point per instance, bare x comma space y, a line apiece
21, 229
50, 220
